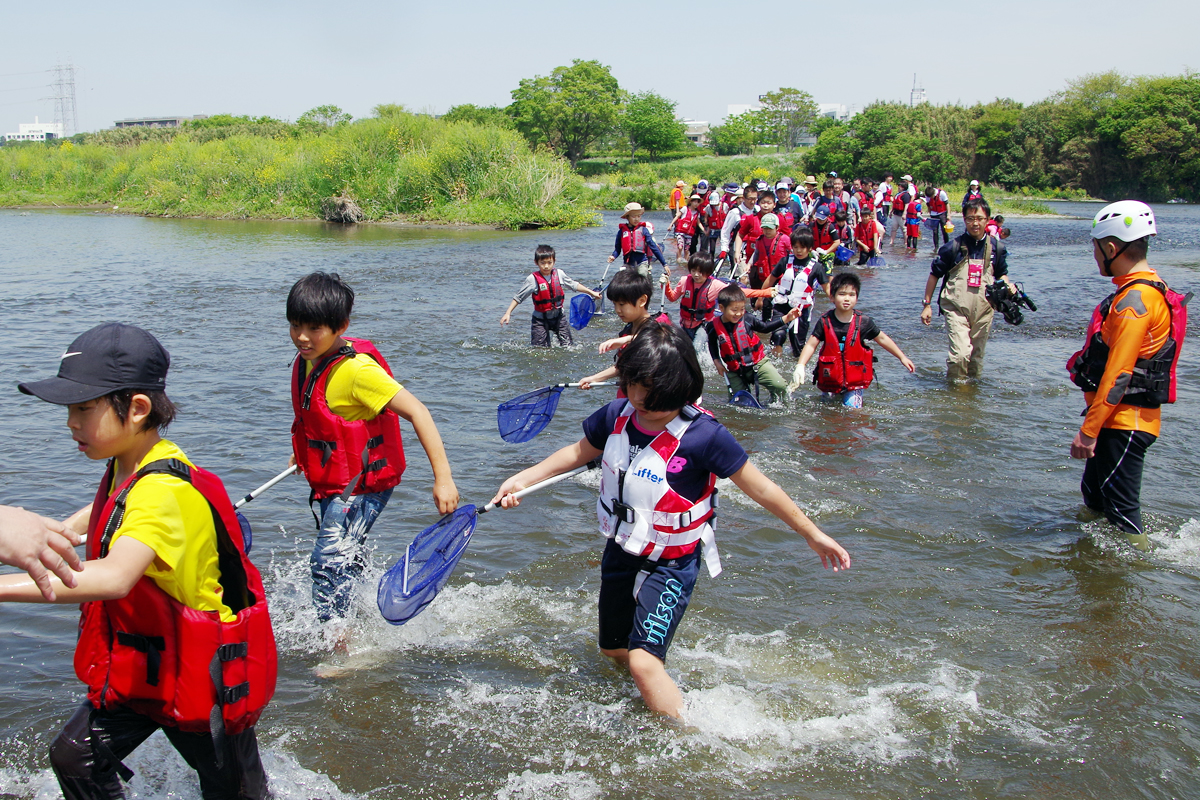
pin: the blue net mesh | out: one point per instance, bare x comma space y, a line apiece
247, 534
524, 417
582, 309
745, 400
876, 261
843, 253
413, 582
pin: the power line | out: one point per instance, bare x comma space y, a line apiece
64, 98
35, 72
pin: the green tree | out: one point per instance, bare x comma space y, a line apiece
835, 150
649, 124
323, 117
786, 114
569, 109
480, 115
389, 110
736, 137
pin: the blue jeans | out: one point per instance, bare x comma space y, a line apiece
337, 558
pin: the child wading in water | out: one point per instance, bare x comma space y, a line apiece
845, 366
346, 435
661, 460
629, 292
736, 350
174, 632
545, 284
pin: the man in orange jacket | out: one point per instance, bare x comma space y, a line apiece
1129, 330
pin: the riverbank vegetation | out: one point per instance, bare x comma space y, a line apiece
394, 165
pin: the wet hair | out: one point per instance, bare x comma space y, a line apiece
162, 410
629, 286
702, 262
802, 236
840, 216
828, 184
663, 360
543, 252
844, 279
977, 204
732, 293
320, 298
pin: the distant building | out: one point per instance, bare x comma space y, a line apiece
155, 122
695, 131
36, 132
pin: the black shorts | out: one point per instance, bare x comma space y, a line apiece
642, 602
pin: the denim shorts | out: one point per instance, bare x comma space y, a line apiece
642, 602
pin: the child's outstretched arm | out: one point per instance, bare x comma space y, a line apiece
445, 493
108, 578
885, 341
767, 494
800, 373
508, 314
569, 457
602, 375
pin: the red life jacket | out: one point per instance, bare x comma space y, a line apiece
548, 296
714, 218
336, 455
898, 203
743, 349
912, 212
822, 235
767, 256
936, 204
865, 202
865, 231
1153, 380
633, 240
842, 367
887, 195
841, 232
148, 652
695, 307
787, 221
686, 223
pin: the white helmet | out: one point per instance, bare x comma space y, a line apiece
1127, 220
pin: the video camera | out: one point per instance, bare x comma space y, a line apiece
1008, 299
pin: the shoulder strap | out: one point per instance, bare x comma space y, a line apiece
347, 351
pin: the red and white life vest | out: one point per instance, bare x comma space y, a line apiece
842, 366
866, 203
937, 203
793, 288
742, 349
685, 223
633, 240
714, 218
148, 652
639, 509
548, 294
698, 303
337, 455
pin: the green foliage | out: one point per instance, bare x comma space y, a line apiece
570, 109
649, 123
737, 136
389, 110
479, 115
397, 165
323, 117
785, 115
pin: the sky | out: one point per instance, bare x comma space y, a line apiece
279, 59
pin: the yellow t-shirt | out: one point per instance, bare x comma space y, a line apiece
358, 388
174, 520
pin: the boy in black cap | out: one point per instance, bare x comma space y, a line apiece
174, 631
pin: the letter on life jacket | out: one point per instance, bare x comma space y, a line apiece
637, 506
336, 455
548, 296
1153, 379
741, 351
148, 652
633, 240
844, 366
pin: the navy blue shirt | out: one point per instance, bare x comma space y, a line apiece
707, 447
948, 255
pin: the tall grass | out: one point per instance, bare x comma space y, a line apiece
650, 183
399, 166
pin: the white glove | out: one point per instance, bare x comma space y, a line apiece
799, 377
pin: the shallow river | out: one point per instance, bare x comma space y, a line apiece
987, 643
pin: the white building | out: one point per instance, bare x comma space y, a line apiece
696, 131
36, 132
155, 122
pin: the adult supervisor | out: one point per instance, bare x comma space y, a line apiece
37, 544
1126, 368
966, 265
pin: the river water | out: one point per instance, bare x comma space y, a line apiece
989, 642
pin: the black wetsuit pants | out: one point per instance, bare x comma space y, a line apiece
87, 772
1112, 478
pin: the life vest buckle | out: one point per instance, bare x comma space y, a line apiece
623, 512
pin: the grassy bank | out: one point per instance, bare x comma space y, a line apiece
400, 166
650, 183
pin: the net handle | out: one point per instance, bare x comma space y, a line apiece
576, 385
543, 484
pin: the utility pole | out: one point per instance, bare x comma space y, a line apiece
64, 98
917, 95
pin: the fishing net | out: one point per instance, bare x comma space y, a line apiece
524, 417
844, 253
582, 309
247, 534
413, 582
744, 399
876, 261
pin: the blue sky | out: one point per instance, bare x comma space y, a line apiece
280, 59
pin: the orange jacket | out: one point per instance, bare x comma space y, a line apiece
1133, 329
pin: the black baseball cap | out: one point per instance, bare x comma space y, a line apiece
108, 358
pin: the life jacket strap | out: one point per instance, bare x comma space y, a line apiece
327, 449
152, 646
